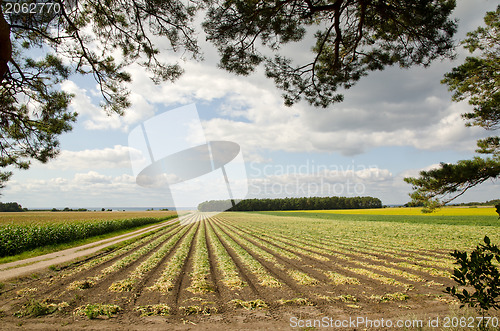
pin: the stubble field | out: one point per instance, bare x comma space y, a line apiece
252, 270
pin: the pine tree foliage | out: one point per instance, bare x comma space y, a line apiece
477, 80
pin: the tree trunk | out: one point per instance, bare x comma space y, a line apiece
5, 44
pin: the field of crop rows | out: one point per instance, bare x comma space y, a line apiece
244, 266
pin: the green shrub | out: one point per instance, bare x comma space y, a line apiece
480, 272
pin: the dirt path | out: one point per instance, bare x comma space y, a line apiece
32, 265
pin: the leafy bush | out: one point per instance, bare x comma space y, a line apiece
479, 272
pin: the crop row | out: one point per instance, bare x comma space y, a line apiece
224, 262
124, 261
201, 265
343, 250
15, 239
175, 264
263, 276
360, 267
353, 256
128, 283
303, 248
342, 238
299, 276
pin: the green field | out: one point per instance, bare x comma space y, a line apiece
413, 211
27, 231
262, 266
438, 231
484, 216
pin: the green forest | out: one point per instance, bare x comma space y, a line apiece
309, 203
10, 207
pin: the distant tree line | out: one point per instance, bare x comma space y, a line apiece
494, 202
69, 209
311, 203
10, 206
487, 203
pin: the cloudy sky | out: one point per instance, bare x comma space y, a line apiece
391, 125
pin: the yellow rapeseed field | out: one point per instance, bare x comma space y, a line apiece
446, 211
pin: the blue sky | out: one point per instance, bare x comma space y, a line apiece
391, 124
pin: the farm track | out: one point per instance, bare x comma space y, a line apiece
87, 267
28, 266
223, 268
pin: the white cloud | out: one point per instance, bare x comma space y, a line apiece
393, 107
91, 178
95, 118
390, 108
416, 172
107, 158
85, 189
